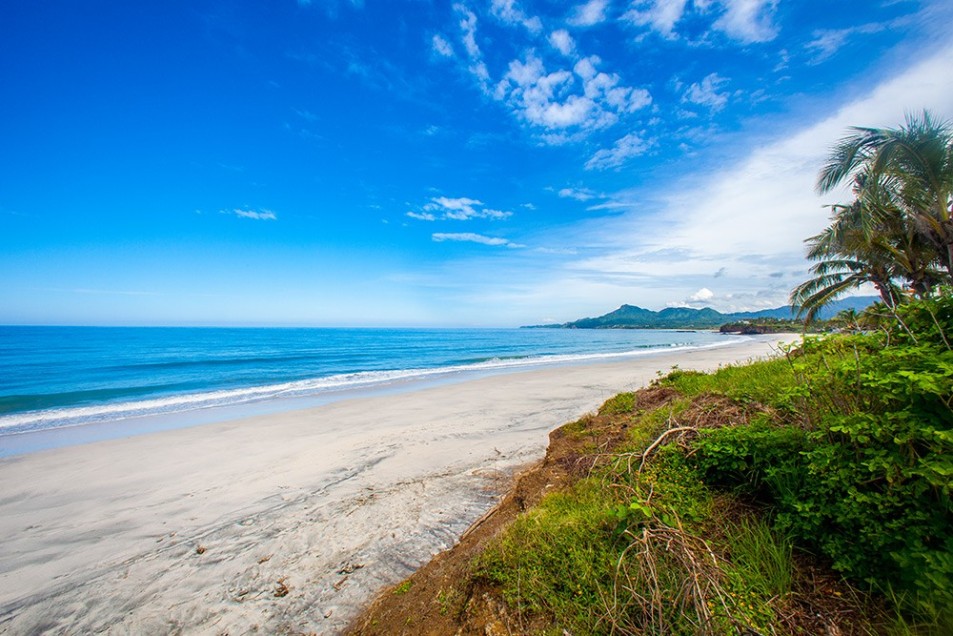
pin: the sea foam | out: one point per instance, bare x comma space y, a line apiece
27, 421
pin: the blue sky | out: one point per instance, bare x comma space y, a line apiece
414, 163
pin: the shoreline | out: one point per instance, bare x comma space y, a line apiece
284, 521
14, 441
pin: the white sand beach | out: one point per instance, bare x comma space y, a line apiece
281, 523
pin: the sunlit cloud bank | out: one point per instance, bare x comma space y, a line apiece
749, 220
732, 238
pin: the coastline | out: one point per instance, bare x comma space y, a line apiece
120, 383
287, 521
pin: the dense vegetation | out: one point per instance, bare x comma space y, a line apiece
763, 326
858, 464
702, 523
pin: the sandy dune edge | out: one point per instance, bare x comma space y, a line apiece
286, 523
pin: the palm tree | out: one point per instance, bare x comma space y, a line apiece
879, 214
848, 318
867, 242
834, 277
914, 163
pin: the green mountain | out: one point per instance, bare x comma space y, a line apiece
633, 317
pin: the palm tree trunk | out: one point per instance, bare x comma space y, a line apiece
886, 294
949, 259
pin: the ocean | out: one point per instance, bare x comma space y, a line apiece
61, 377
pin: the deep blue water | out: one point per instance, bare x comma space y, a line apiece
53, 377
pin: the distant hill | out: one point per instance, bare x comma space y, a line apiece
633, 317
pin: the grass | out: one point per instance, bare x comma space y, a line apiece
447, 599
403, 588
644, 544
761, 560
558, 558
766, 382
625, 551
621, 403
651, 423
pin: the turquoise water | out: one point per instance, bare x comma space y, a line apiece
54, 377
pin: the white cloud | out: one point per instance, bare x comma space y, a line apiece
827, 43
747, 220
606, 87
469, 237
561, 138
589, 14
562, 41
702, 295
258, 215
706, 92
579, 194
748, 21
468, 27
468, 24
458, 209
632, 145
660, 15
303, 114
784, 59
509, 11
612, 205
553, 101
441, 46
536, 94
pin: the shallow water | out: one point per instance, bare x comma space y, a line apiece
58, 377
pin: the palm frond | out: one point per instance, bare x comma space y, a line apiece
813, 295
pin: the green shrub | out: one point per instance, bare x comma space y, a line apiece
927, 321
558, 559
761, 460
867, 479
